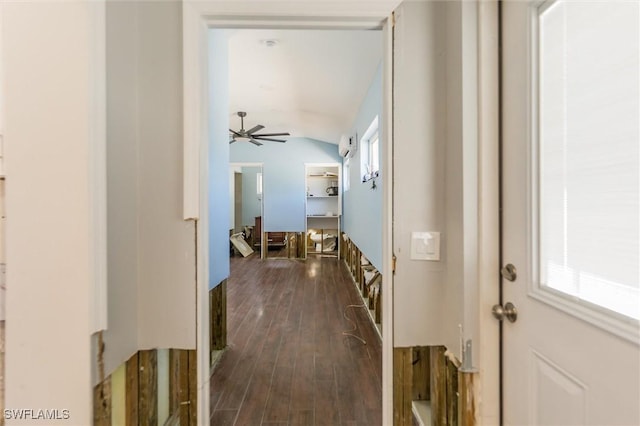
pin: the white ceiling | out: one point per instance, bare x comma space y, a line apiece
310, 83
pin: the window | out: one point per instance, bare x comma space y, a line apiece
374, 155
588, 153
370, 152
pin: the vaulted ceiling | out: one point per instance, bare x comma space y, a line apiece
307, 82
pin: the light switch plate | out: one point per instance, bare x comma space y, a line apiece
425, 245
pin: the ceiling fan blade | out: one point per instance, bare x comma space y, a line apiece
232, 141
255, 142
269, 139
255, 129
234, 132
271, 134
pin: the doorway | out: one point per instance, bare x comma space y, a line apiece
246, 203
196, 75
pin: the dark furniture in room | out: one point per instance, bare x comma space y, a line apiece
274, 239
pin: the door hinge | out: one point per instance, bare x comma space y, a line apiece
394, 261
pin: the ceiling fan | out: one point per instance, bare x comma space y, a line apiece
250, 135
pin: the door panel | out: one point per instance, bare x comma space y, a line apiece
566, 360
560, 398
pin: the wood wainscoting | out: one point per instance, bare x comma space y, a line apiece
366, 278
218, 317
139, 391
431, 375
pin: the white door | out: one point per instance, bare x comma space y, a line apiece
570, 212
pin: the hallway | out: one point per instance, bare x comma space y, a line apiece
287, 361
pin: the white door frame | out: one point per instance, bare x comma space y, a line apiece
487, 392
198, 17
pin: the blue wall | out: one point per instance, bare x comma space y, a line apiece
250, 202
219, 216
362, 206
284, 177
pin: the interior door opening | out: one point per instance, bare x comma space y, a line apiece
269, 177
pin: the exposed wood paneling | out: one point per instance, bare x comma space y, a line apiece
421, 379
438, 386
193, 387
295, 245
118, 395
218, 316
141, 388
372, 299
102, 403
431, 373
378, 305
174, 381
179, 384
131, 394
147, 387
343, 247
466, 382
292, 246
402, 384
300, 246
452, 392
358, 271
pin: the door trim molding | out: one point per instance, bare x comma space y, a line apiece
488, 212
97, 159
198, 17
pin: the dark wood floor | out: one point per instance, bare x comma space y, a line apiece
288, 362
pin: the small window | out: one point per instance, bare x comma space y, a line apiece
370, 152
374, 154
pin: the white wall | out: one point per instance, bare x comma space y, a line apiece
151, 249
437, 173
49, 100
461, 176
121, 336
419, 134
166, 293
